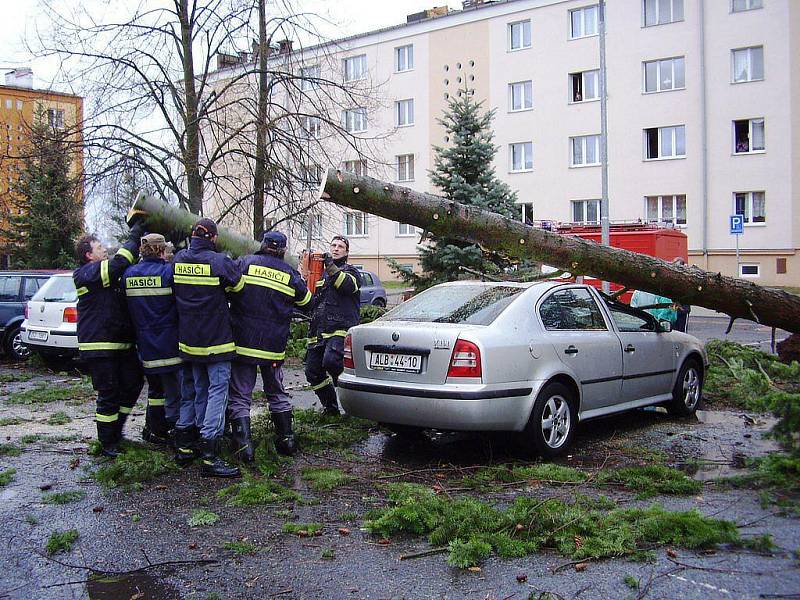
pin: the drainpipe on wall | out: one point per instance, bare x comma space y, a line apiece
703, 128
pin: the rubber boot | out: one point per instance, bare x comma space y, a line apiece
186, 446
212, 464
243, 447
284, 436
155, 428
327, 397
107, 435
120, 423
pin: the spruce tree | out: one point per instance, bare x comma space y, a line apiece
464, 173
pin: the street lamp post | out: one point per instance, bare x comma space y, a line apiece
605, 230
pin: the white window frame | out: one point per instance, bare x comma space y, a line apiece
526, 212
583, 75
526, 149
55, 117
584, 141
356, 224
357, 167
525, 25
351, 73
404, 164
673, 200
749, 50
657, 7
584, 204
353, 117
748, 5
407, 53
673, 129
750, 149
526, 89
659, 65
755, 275
405, 230
311, 127
311, 177
404, 113
749, 219
316, 226
583, 10
308, 75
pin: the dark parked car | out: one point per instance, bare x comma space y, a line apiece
16, 288
372, 291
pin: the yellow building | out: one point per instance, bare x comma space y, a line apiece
20, 104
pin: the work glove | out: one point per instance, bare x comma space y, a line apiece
137, 231
330, 266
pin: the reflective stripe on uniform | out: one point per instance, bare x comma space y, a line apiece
200, 280
148, 292
156, 401
268, 283
322, 384
320, 283
207, 351
127, 254
125, 410
305, 300
82, 290
161, 362
339, 332
254, 353
106, 418
340, 280
87, 346
104, 273
236, 288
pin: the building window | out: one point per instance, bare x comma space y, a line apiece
749, 270
309, 77
748, 136
356, 224
357, 167
751, 205
9, 103
406, 230
585, 85
665, 142
355, 67
519, 35
747, 64
586, 211
314, 221
585, 150
55, 118
311, 177
520, 96
526, 210
404, 113
659, 12
743, 5
665, 74
666, 209
311, 128
20, 104
780, 266
521, 156
583, 22
355, 120
405, 167
404, 58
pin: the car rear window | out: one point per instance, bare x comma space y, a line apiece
57, 289
473, 304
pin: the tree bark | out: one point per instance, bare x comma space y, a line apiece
688, 285
260, 175
191, 150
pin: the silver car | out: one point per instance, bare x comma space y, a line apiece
532, 358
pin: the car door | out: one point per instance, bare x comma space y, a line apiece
648, 354
9, 298
584, 343
367, 288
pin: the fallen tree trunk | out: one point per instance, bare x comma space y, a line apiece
688, 285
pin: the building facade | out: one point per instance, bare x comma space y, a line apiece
20, 106
703, 118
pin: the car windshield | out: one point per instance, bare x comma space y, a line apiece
57, 289
474, 304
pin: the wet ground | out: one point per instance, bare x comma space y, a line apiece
137, 545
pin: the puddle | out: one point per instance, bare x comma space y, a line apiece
139, 586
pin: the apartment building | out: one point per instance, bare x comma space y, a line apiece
20, 105
703, 118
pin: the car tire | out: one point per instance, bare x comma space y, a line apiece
404, 431
545, 435
688, 389
14, 347
379, 302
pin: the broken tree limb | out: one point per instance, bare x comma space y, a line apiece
688, 285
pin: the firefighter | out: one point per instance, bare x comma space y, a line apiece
261, 315
202, 277
335, 307
105, 334
148, 288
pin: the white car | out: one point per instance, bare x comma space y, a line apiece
51, 319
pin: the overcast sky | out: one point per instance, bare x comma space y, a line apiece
355, 16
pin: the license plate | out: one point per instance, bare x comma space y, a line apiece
384, 361
39, 336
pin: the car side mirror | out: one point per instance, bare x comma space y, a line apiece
665, 326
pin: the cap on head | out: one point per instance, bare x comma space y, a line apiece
153, 239
342, 239
274, 240
204, 228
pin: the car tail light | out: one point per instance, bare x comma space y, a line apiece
26, 310
466, 360
70, 315
348, 352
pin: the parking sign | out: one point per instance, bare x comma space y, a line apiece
737, 224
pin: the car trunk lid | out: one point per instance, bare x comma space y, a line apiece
46, 308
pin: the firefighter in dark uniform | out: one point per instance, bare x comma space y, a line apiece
151, 303
202, 277
105, 334
335, 308
261, 315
